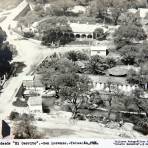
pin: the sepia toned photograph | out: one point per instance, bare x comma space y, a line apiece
73, 69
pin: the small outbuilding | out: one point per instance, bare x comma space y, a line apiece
35, 104
99, 50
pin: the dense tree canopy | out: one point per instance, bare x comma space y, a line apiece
56, 30
99, 34
108, 10
73, 89
130, 18
76, 55
61, 7
68, 85
140, 78
134, 54
128, 34
111, 10
5, 53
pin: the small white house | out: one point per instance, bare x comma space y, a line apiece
99, 50
35, 104
143, 12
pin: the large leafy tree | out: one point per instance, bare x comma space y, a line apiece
130, 18
117, 8
70, 87
128, 34
140, 78
142, 56
134, 54
5, 53
129, 54
55, 68
109, 10
113, 94
99, 8
56, 31
74, 89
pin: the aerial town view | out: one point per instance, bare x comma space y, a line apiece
74, 68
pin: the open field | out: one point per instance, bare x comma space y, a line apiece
9, 4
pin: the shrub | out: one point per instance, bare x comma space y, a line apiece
14, 115
111, 62
142, 126
67, 108
81, 117
28, 34
99, 34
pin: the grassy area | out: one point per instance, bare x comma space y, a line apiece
9, 4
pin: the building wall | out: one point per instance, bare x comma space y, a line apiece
124, 88
98, 52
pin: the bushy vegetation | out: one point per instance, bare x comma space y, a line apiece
99, 34
97, 65
76, 56
26, 130
142, 126
140, 78
128, 34
6, 53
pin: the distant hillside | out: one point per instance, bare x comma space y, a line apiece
9, 4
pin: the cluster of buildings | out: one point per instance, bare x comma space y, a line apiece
33, 87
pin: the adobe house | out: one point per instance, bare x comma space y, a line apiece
84, 31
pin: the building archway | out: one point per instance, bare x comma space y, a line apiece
77, 35
83, 36
89, 36
66, 35
72, 35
